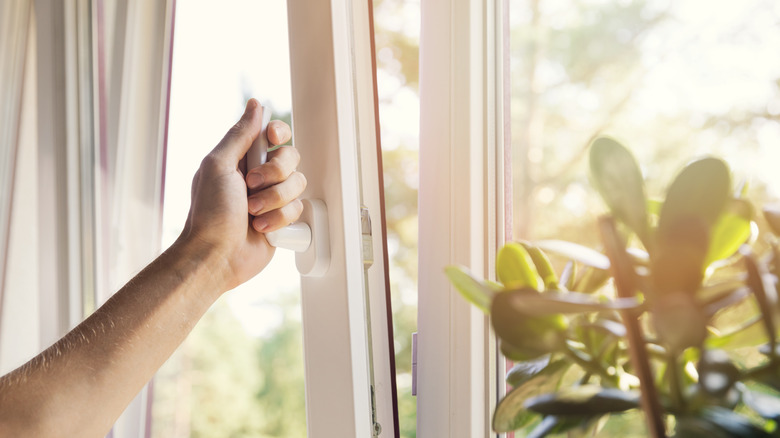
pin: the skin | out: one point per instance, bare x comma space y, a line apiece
80, 385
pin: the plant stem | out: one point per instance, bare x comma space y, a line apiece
624, 275
675, 382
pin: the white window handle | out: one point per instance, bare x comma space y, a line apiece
309, 236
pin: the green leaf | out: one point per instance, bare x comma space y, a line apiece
576, 252
763, 402
607, 326
617, 177
693, 204
543, 266
514, 267
710, 294
654, 206
557, 425
694, 427
732, 229
728, 299
510, 414
749, 334
530, 302
569, 275
525, 334
731, 423
521, 372
585, 400
473, 290
700, 190
678, 260
679, 321
592, 279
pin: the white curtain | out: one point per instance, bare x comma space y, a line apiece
89, 126
15, 21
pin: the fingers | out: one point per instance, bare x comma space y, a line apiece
281, 217
280, 166
239, 138
278, 195
278, 132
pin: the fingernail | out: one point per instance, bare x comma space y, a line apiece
277, 132
250, 105
254, 180
260, 224
255, 205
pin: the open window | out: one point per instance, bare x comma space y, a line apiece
94, 125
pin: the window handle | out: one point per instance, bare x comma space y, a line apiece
309, 236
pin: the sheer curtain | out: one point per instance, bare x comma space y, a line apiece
83, 121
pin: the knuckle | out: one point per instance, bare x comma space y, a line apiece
276, 169
293, 153
240, 131
210, 163
276, 195
296, 208
302, 181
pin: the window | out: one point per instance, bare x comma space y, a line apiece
240, 372
109, 125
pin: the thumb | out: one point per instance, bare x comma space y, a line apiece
239, 138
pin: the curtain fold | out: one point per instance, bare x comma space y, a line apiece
97, 101
14, 30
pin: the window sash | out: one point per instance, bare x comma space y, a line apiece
335, 131
461, 211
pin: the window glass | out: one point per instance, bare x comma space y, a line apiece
673, 80
240, 372
397, 28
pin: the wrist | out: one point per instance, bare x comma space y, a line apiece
200, 263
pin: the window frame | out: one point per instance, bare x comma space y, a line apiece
334, 127
462, 211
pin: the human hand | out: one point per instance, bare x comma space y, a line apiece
218, 219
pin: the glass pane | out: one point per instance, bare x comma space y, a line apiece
397, 28
672, 79
240, 372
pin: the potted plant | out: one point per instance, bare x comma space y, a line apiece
675, 314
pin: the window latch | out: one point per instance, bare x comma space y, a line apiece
309, 236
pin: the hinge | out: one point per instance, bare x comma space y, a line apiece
414, 364
377, 427
366, 234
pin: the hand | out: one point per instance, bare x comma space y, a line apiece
218, 219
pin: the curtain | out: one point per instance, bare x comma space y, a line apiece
83, 195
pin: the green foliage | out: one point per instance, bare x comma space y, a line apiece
573, 348
617, 177
477, 292
514, 267
222, 382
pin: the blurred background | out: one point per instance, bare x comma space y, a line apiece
672, 79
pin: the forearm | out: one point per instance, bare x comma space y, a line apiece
87, 378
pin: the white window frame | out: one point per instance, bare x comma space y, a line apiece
461, 212
334, 127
